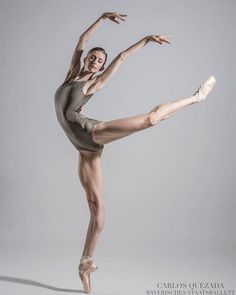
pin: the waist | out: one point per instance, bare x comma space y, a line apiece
71, 114
80, 110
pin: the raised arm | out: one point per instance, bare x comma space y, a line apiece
115, 64
76, 58
75, 64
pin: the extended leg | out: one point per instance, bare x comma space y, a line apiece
109, 131
105, 132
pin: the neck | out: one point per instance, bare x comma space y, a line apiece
85, 75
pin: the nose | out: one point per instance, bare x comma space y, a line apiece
94, 61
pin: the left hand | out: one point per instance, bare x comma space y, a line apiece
159, 38
113, 16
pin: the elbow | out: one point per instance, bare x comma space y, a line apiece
121, 56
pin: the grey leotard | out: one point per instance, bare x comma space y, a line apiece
68, 100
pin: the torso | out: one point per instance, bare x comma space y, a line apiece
87, 84
69, 99
83, 85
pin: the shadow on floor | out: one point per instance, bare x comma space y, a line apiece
37, 284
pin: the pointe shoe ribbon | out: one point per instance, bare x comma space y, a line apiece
204, 89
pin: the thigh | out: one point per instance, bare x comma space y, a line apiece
90, 174
108, 131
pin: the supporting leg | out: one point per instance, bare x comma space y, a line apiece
96, 224
90, 173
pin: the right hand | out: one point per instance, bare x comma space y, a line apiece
113, 16
159, 38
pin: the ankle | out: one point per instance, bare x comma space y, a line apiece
195, 98
85, 258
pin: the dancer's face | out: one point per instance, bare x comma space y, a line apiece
94, 61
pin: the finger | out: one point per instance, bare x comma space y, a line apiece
121, 15
157, 39
166, 40
120, 18
114, 20
163, 36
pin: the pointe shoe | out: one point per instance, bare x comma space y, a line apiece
85, 268
204, 89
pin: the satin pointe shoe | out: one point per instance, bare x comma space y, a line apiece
86, 266
204, 89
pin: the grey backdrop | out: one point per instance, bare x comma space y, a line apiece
169, 190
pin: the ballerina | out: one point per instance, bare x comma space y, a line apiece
89, 135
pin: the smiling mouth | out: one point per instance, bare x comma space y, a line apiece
91, 66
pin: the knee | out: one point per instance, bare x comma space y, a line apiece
153, 118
